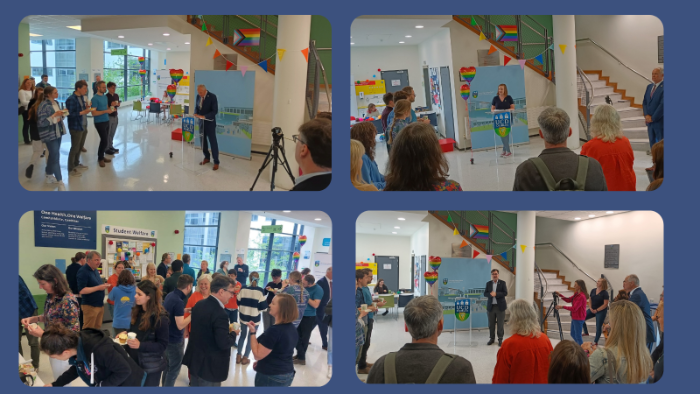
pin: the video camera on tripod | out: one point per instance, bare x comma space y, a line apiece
275, 156
553, 308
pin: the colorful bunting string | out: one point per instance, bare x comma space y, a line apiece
305, 51
522, 247
449, 218
482, 36
506, 59
209, 42
280, 53
488, 258
562, 47
476, 253
464, 243
492, 49
456, 232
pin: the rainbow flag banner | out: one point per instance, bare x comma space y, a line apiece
431, 277
478, 231
246, 37
506, 33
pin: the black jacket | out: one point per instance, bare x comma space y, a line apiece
208, 351
162, 270
323, 283
151, 353
113, 367
313, 184
210, 107
501, 293
72, 274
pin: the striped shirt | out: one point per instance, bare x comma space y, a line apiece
251, 301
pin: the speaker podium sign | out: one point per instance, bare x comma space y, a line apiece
462, 308
501, 123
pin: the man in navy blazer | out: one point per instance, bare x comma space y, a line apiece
653, 107
325, 283
631, 286
206, 109
496, 292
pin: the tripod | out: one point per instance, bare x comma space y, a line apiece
273, 156
552, 307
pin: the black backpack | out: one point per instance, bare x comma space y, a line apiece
564, 184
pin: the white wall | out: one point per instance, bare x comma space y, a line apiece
386, 245
631, 38
640, 235
365, 61
178, 60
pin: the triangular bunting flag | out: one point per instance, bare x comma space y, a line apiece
243, 70
562, 47
539, 58
504, 255
488, 258
204, 26
481, 36
476, 253
228, 65
209, 41
473, 21
263, 64
506, 59
463, 244
522, 247
306, 54
551, 47
574, 46
492, 49
449, 218
522, 63
217, 54
280, 53
456, 232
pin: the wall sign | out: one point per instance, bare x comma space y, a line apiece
326, 242
271, 229
65, 229
128, 231
661, 49
612, 256
118, 52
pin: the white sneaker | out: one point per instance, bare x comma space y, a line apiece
50, 179
61, 186
81, 167
75, 173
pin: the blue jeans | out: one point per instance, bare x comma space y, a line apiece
53, 165
242, 338
174, 352
506, 143
599, 321
196, 381
576, 326
274, 380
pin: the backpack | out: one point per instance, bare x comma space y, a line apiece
564, 184
434, 377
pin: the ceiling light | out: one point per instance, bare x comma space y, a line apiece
577, 218
187, 43
402, 219
591, 216
286, 211
401, 42
408, 36
609, 212
35, 35
419, 27
397, 227
166, 34
74, 27
318, 219
120, 36
168, 48
149, 44
393, 232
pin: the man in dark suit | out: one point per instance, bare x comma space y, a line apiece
206, 109
162, 269
208, 353
653, 107
631, 286
313, 154
496, 292
325, 283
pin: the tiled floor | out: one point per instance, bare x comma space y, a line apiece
314, 373
487, 174
144, 164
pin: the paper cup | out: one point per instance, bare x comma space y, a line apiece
33, 326
364, 307
131, 335
374, 305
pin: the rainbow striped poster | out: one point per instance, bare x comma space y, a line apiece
506, 33
246, 37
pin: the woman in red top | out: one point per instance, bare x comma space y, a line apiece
112, 282
578, 309
612, 149
524, 356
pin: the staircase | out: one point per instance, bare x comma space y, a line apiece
631, 114
557, 282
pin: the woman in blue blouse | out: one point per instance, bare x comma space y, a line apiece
503, 101
366, 133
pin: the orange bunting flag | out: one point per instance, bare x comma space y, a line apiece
481, 36
464, 243
522, 247
492, 49
476, 253
456, 232
228, 65
217, 54
209, 42
506, 59
280, 53
562, 47
306, 54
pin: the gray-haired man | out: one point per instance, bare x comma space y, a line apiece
557, 167
422, 361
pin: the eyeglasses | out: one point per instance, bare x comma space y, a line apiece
297, 137
232, 292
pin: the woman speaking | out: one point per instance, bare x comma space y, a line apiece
501, 102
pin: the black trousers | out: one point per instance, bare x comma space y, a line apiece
103, 132
306, 326
322, 328
153, 379
362, 364
25, 127
496, 316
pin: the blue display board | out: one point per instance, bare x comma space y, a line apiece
460, 277
484, 87
65, 229
234, 122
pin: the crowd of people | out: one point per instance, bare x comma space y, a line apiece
527, 356
161, 323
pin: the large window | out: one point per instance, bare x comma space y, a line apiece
269, 251
201, 238
55, 58
124, 70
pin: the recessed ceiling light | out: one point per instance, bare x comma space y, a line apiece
166, 34
74, 27
397, 227
318, 219
419, 27
287, 211
591, 216
149, 44
35, 35
609, 212
577, 218
408, 36
120, 36
187, 43
393, 232
168, 48
402, 219
401, 42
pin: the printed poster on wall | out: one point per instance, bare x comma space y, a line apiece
435, 86
65, 229
460, 278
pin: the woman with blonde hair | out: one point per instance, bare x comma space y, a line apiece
25, 95
152, 276
401, 119
612, 149
366, 133
356, 153
524, 356
625, 349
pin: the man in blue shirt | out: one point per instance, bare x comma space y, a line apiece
308, 322
186, 269
241, 271
101, 117
92, 290
27, 308
174, 304
363, 366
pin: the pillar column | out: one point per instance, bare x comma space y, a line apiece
288, 104
565, 72
525, 268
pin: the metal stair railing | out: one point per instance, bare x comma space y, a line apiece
577, 267
315, 71
586, 99
614, 57
543, 291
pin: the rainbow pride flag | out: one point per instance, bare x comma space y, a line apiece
247, 38
478, 231
506, 33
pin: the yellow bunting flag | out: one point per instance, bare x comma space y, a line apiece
217, 54
492, 49
280, 53
562, 47
481, 36
522, 247
209, 42
464, 243
456, 232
